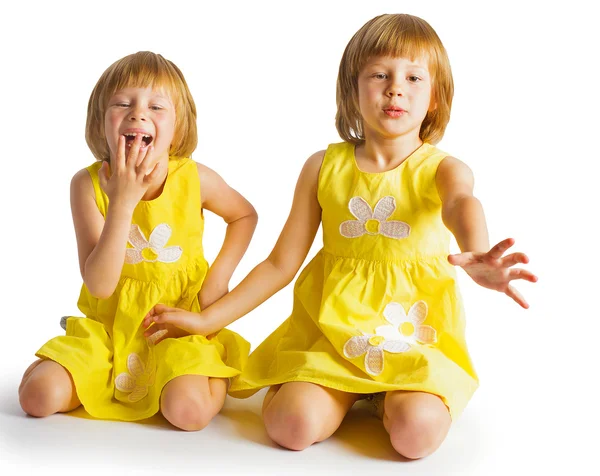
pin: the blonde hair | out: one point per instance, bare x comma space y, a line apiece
142, 69
397, 35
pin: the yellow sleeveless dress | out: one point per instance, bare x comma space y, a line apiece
378, 308
119, 374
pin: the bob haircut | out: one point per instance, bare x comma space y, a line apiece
397, 35
141, 70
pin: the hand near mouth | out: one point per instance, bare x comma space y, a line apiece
129, 175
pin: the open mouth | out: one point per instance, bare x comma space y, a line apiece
130, 137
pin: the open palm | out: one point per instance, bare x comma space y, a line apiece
493, 271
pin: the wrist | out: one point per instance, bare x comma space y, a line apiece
120, 210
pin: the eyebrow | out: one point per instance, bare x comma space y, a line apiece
410, 65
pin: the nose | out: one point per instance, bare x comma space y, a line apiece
394, 90
137, 114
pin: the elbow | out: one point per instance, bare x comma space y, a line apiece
285, 274
99, 289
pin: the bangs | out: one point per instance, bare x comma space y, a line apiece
408, 38
143, 70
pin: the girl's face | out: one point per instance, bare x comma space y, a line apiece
394, 95
145, 111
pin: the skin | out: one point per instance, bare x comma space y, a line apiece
138, 172
298, 414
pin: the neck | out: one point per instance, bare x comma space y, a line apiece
385, 153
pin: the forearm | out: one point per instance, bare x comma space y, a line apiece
263, 282
237, 238
466, 220
104, 264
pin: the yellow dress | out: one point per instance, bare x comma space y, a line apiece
119, 374
378, 308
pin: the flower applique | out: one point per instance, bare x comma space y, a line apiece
398, 336
374, 222
139, 378
153, 249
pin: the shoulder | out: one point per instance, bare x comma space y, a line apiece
81, 183
314, 162
312, 169
452, 169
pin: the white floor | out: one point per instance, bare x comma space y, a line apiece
481, 442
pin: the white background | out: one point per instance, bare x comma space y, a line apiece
263, 75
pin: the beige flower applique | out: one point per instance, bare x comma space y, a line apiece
398, 336
139, 378
153, 249
374, 222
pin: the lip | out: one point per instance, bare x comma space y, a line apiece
394, 111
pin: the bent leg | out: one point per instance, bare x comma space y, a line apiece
417, 422
190, 402
298, 414
47, 388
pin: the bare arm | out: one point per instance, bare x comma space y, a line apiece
462, 213
101, 244
268, 277
241, 218
290, 251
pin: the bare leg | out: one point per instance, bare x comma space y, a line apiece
47, 388
417, 422
298, 414
190, 402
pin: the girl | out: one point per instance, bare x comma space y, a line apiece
138, 215
377, 312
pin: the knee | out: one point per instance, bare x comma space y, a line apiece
41, 397
187, 412
420, 430
294, 430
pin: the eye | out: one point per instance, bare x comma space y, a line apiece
156, 108
380, 76
121, 104
414, 79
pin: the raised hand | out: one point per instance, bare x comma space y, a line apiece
493, 271
163, 322
127, 179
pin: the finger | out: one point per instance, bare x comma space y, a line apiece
154, 174
516, 296
514, 258
183, 320
498, 250
155, 311
519, 273
121, 154
134, 151
145, 162
460, 259
142, 155
104, 175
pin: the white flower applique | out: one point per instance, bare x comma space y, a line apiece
151, 250
374, 222
139, 378
398, 336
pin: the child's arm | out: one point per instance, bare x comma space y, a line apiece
270, 276
462, 214
101, 243
241, 218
